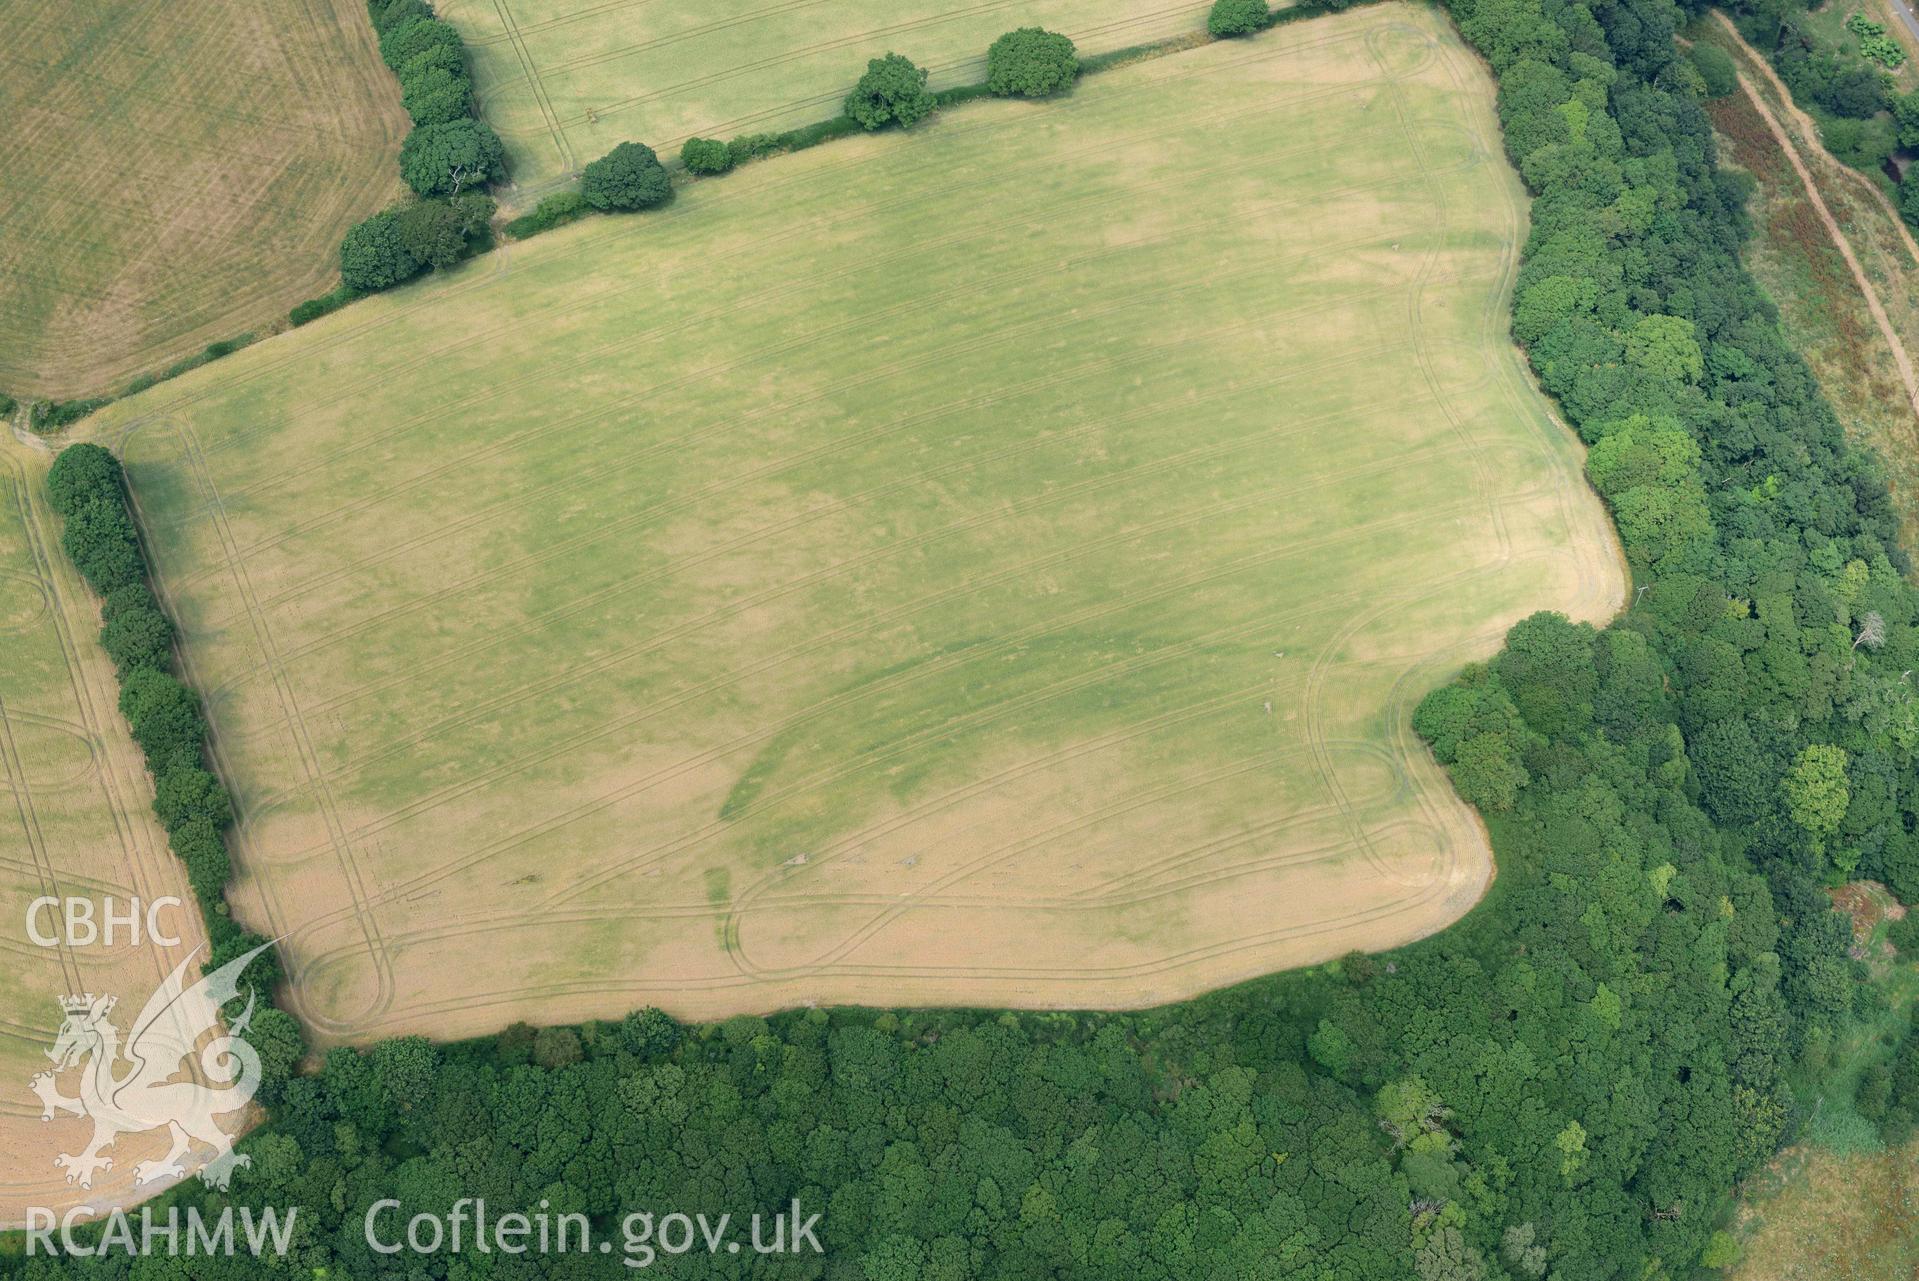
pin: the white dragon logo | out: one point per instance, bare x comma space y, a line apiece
145, 1097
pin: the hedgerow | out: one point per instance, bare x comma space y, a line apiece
326, 304
1237, 17
555, 210
449, 159
86, 488
705, 156
52, 415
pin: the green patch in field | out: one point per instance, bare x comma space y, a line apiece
808, 736
719, 897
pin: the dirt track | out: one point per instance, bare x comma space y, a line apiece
1901, 358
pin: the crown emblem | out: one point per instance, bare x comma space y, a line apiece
148, 1095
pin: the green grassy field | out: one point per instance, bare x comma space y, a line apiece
74, 821
991, 565
1840, 1205
176, 174
563, 81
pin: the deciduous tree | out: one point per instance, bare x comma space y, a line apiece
374, 254
446, 159
1031, 62
628, 177
705, 156
1237, 17
1816, 791
893, 91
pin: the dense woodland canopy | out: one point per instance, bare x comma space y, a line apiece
1566, 1085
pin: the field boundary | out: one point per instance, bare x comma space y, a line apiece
829, 128
88, 477
51, 417
141, 867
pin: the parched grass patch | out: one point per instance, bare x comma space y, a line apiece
175, 174
993, 565
564, 82
74, 822
1840, 1205
1834, 1217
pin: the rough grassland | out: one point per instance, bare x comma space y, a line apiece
564, 80
74, 820
176, 174
1792, 255
1839, 1205
993, 565
1835, 1217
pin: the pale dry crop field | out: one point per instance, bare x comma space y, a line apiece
563, 81
993, 565
176, 174
74, 822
